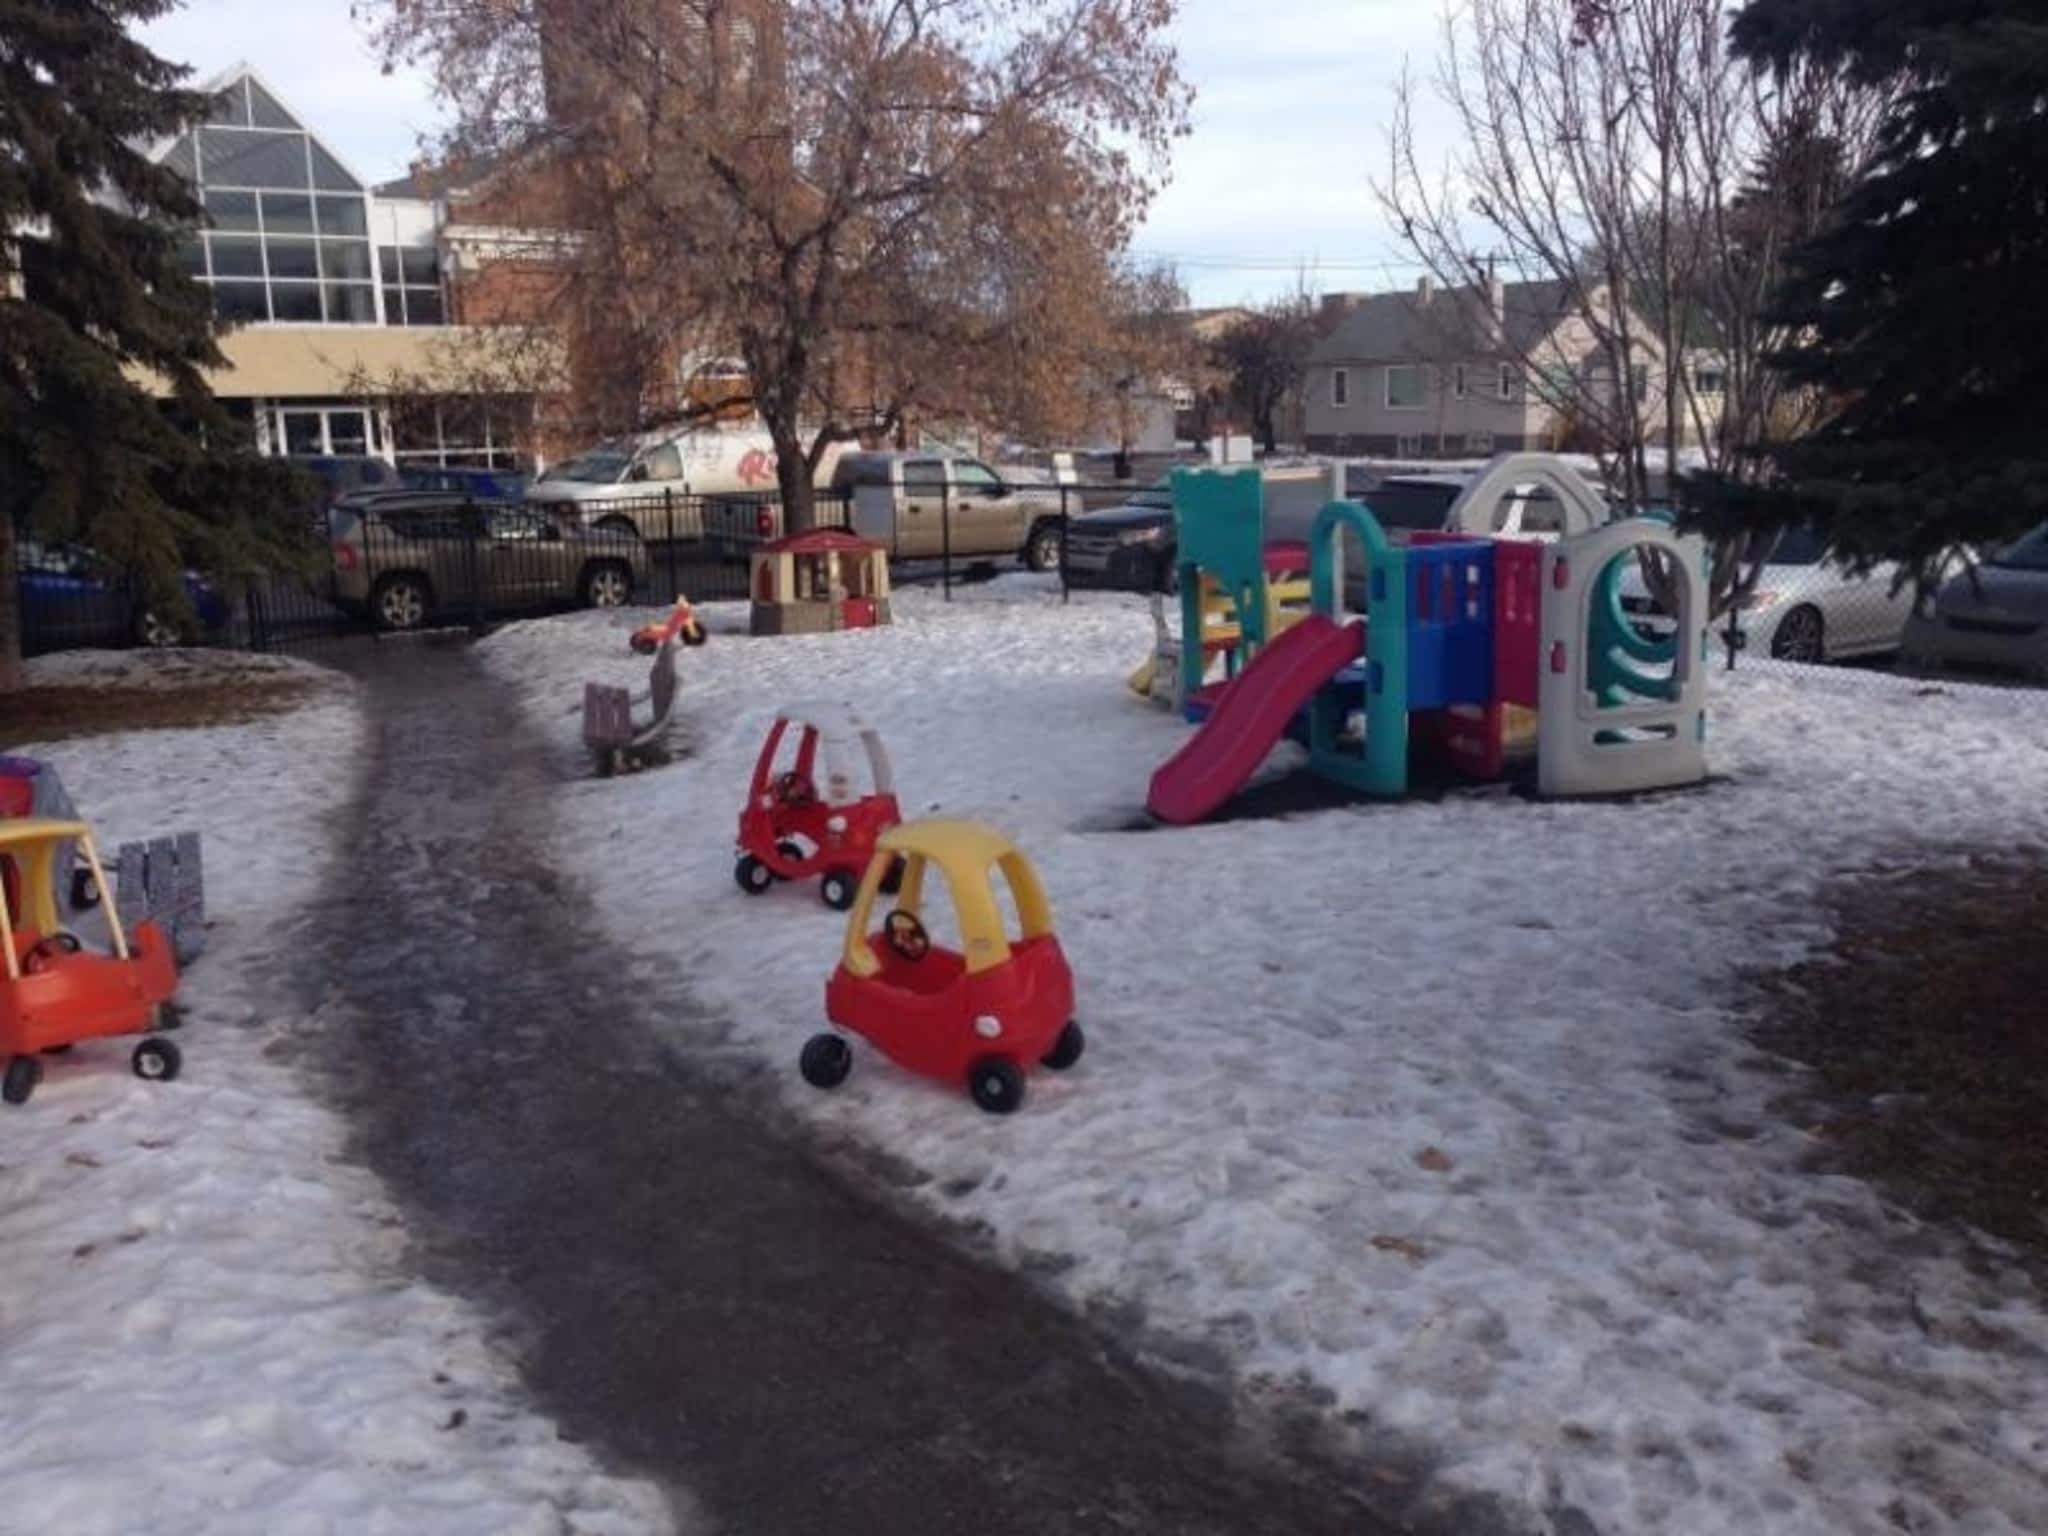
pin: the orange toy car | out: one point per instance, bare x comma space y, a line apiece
57, 992
978, 1018
815, 817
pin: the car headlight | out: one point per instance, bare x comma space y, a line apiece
1140, 535
1760, 598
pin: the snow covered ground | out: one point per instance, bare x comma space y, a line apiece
205, 1327
1442, 1108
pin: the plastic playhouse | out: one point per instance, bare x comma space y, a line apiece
810, 809
1163, 676
816, 582
56, 991
980, 1017
1461, 632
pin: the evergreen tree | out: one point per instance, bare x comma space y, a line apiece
1915, 304
92, 301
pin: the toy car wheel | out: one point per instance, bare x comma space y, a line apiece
996, 1085
20, 1079
1066, 1050
825, 1061
752, 875
156, 1060
837, 888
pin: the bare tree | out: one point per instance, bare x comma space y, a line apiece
1616, 149
885, 207
1265, 356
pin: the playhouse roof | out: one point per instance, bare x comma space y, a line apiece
822, 541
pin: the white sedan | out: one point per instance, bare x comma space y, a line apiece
1806, 607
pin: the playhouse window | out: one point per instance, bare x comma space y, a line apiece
813, 578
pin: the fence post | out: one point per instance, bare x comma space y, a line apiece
259, 639
1734, 636
668, 529
1066, 526
946, 541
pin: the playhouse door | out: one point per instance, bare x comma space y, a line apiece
858, 613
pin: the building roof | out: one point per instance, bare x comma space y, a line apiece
1400, 326
450, 176
822, 541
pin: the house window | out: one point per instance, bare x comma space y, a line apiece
1639, 380
1458, 380
1404, 387
1479, 444
1709, 381
1340, 387
411, 276
1408, 447
1504, 385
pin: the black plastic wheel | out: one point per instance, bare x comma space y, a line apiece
825, 1061
85, 891
836, 890
1066, 1050
752, 876
996, 1084
20, 1079
157, 1061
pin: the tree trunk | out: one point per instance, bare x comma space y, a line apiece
10, 612
793, 476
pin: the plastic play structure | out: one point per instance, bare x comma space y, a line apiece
56, 992
812, 810
1459, 631
1164, 676
980, 1017
816, 582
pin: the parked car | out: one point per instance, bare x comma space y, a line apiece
1808, 607
464, 480
714, 483
1994, 615
71, 599
923, 505
402, 557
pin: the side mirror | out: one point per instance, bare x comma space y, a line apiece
637, 472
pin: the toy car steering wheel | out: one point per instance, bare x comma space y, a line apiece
906, 935
795, 789
43, 951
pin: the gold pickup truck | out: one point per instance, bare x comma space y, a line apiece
925, 505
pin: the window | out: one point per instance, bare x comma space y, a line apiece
663, 463
481, 430
286, 230
411, 275
1709, 381
970, 476
1404, 387
1340, 387
1408, 447
1639, 380
1504, 386
1479, 444
1458, 380
924, 477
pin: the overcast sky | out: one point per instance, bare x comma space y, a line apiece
1291, 100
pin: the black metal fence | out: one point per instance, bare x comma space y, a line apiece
400, 562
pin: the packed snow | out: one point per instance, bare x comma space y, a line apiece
206, 1328
1441, 1108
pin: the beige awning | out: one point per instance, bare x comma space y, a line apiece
326, 361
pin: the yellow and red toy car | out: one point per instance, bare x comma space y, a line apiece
814, 811
980, 1017
56, 992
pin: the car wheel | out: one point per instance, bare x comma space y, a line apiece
837, 889
401, 603
156, 1061
996, 1085
1066, 1050
20, 1079
1800, 636
156, 632
607, 585
618, 523
752, 876
825, 1061
1042, 549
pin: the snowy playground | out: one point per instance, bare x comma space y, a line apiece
1437, 1112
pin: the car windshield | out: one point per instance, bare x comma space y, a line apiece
600, 466
1411, 504
1798, 546
2027, 553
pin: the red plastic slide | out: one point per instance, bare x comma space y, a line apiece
1250, 716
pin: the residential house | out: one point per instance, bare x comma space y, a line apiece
1462, 373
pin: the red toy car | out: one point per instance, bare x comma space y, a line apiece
813, 817
979, 1017
56, 992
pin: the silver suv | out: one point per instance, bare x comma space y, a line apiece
924, 505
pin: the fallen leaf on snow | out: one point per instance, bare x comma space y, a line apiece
1407, 1247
